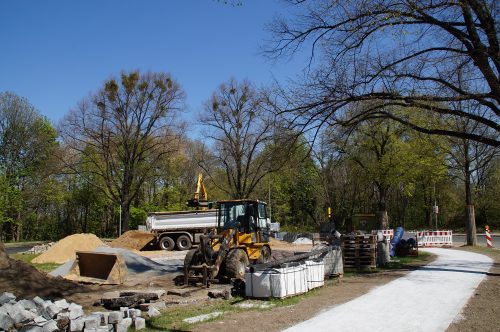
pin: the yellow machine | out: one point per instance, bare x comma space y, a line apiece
196, 201
242, 238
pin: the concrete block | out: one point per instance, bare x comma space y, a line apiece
31, 328
104, 317
158, 305
123, 325
115, 317
153, 312
104, 329
6, 297
132, 313
6, 322
92, 321
89, 330
62, 304
5, 309
50, 326
74, 306
28, 304
140, 323
40, 320
63, 314
76, 325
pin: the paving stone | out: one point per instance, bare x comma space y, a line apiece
104, 329
63, 304
132, 313
50, 311
74, 306
92, 321
31, 328
158, 305
75, 312
5, 309
124, 311
22, 315
6, 322
123, 325
6, 297
140, 323
40, 320
89, 330
115, 317
38, 300
28, 304
50, 326
153, 312
76, 325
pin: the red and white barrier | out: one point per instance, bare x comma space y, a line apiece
489, 243
435, 238
388, 233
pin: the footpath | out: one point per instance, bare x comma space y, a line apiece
428, 299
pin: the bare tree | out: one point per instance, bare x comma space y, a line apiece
398, 52
241, 128
121, 133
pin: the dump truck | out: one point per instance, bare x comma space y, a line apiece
180, 229
241, 239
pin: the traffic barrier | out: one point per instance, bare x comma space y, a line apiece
489, 243
435, 238
388, 233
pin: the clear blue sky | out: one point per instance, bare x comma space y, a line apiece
56, 52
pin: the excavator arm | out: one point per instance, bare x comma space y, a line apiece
200, 197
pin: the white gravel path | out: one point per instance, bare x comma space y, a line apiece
427, 299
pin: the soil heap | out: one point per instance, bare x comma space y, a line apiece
135, 240
65, 249
26, 281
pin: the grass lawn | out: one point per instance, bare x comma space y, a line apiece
27, 258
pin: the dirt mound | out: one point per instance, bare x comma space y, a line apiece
136, 240
65, 249
25, 281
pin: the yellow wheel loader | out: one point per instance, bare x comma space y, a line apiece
241, 239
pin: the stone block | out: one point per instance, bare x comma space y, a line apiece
153, 312
6, 297
50, 311
38, 301
50, 326
123, 325
28, 304
40, 320
62, 304
76, 325
132, 313
89, 330
140, 323
75, 312
92, 321
31, 328
74, 306
158, 305
22, 316
115, 317
6, 322
124, 311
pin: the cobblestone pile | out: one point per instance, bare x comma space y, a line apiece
39, 315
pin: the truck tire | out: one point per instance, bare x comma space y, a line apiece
236, 263
184, 242
166, 243
190, 258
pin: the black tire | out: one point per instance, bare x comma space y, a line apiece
236, 263
166, 243
189, 259
265, 255
184, 242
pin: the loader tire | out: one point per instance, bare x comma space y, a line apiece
236, 263
166, 243
265, 255
190, 259
184, 242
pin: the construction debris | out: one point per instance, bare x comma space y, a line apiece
65, 249
135, 240
39, 249
48, 316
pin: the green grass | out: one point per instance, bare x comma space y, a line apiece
27, 258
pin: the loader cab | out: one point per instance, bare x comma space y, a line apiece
248, 216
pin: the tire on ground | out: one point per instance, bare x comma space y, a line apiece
184, 242
167, 243
190, 259
236, 263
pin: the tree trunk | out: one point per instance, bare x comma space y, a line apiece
382, 216
469, 210
125, 216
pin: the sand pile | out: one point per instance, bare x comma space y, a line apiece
26, 281
136, 240
65, 249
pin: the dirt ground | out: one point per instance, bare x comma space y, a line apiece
483, 309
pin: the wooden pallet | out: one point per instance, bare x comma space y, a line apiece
359, 251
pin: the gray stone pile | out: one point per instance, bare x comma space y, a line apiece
39, 249
39, 315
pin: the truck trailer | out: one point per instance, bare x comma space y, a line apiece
182, 229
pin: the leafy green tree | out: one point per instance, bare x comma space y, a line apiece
124, 131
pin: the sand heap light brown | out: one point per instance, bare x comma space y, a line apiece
65, 249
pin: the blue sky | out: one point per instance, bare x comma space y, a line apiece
56, 52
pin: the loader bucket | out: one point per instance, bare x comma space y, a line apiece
98, 268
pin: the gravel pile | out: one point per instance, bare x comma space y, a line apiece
49, 316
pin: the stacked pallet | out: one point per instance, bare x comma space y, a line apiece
359, 251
